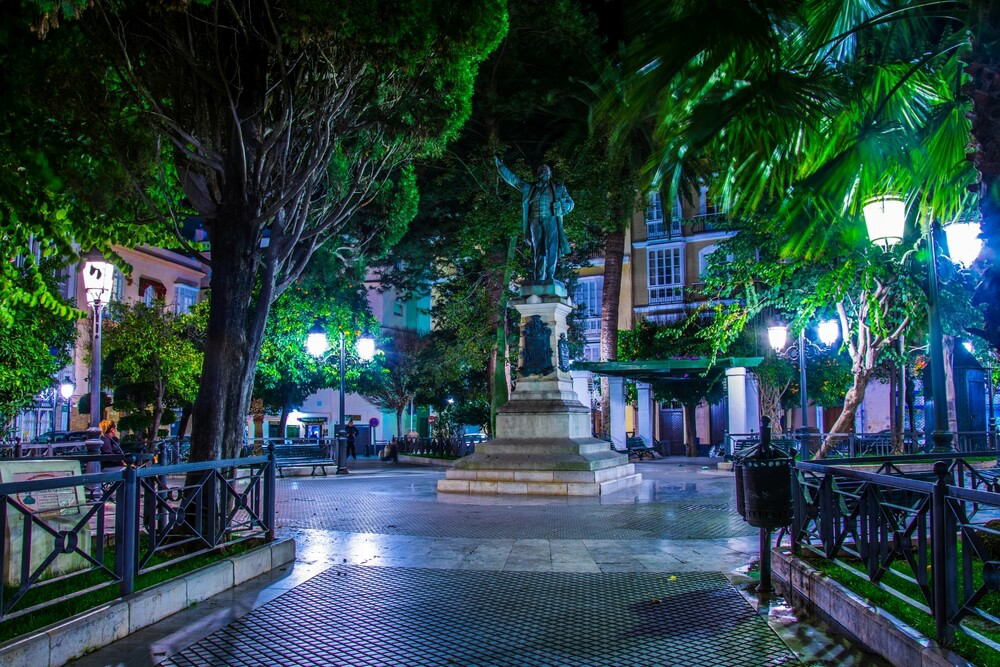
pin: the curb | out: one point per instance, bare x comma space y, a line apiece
425, 461
57, 644
876, 629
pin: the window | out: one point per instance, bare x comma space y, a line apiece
588, 295
666, 275
397, 308
185, 297
592, 352
149, 295
117, 286
704, 258
706, 205
655, 224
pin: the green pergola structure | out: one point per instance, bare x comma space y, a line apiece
680, 370
665, 370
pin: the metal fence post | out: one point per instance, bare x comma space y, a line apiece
130, 526
826, 535
798, 511
939, 560
269, 492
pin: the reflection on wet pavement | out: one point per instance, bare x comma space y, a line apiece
679, 529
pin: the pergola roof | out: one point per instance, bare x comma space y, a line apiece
664, 370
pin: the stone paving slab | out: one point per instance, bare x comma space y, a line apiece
381, 616
694, 507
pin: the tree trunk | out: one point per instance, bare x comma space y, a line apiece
286, 409
949, 383
690, 429
154, 427
614, 252
232, 342
845, 422
399, 422
185, 420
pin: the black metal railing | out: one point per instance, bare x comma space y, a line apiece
920, 532
105, 529
854, 445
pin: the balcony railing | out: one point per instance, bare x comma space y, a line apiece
591, 324
707, 222
660, 229
668, 294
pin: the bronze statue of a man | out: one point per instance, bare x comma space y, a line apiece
543, 203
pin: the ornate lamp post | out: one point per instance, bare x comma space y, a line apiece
777, 336
98, 274
885, 218
317, 345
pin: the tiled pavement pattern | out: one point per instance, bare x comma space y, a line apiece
388, 572
698, 506
352, 615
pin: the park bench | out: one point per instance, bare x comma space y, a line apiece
302, 456
636, 445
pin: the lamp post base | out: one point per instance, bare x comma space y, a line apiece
941, 442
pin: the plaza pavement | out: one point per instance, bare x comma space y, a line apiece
390, 573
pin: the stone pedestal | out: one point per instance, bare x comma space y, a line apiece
544, 443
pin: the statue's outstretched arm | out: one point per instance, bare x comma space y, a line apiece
507, 175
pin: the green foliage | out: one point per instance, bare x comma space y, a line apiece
33, 346
57, 191
828, 377
466, 239
326, 293
805, 110
152, 358
392, 381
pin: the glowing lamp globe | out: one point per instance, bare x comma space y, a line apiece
777, 336
66, 389
98, 275
885, 218
366, 348
964, 243
829, 332
316, 341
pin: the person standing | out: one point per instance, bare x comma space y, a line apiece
352, 434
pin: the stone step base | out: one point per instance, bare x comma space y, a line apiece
543, 476
550, 483
538, 488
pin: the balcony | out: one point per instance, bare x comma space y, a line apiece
591, 324
658, 229
708, 222
667, 294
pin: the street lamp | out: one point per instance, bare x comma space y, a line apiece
317, 345
777, 336
887, 222
98, 274
885, 218
964, 243
66, 390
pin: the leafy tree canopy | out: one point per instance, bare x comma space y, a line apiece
32, 349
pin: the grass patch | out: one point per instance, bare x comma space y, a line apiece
965, 645
61, 610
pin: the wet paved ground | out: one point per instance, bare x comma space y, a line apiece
389, 572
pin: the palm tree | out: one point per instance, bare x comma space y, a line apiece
808, 109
